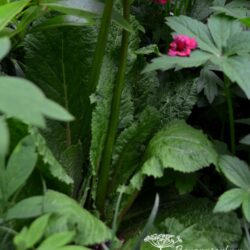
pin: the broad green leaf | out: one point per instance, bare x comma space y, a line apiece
20, 165
10, 10
237, 70
4, 47
235, 170
209, 81
57, 240
52, 66
221, 29
230, 200
196, 59
21, 99
37, 230
180, 147
245, 140
4, 138
231, 11
84, 8
27, 208
61, 21
51, 167
246, 206
196, 29
89, 229
238, 43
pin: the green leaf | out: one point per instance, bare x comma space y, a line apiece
89, 229
20, 239
52, 66
128, 147
193, 28
235, 170
28, 16
20, 165
236, 68
246, 206
4, 138
37, 230
238, 43
16, 97
196, 59
10, 10
27, 208
4, 46
245, 140
222, 28
180, 147
52, 167
209, 81
61, 21
231, 11
57, 240
230, 200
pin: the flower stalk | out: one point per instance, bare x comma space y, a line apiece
104, 172
230, 113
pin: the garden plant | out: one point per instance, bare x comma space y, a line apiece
124, 124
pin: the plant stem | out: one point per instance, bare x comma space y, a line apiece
98, 60
114, 117
230, 113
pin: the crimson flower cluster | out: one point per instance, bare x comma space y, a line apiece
182, 45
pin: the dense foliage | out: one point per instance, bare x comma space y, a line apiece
121, 119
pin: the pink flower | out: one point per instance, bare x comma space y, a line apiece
160, 1
182, 45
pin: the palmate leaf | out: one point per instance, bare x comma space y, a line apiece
225, 43
193, 28
236, 68
222, 29
196, 59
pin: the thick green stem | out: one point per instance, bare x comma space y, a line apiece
230, 114
95, 74
98, 60
114, 118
